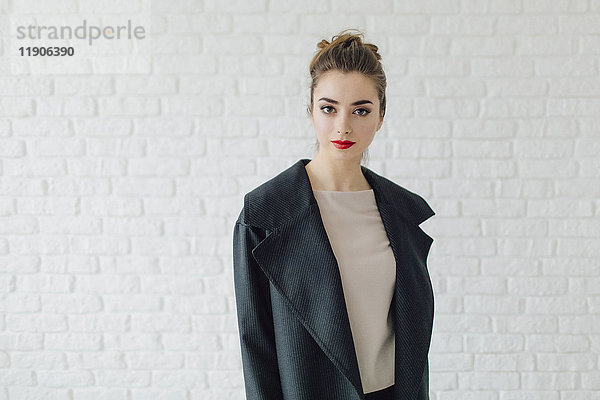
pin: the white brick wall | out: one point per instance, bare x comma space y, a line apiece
122, 170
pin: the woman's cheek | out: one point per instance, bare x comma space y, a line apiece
322, 126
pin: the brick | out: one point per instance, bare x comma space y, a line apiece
30, 86
73, 341
463, 324
131, 303
560, 6
161, 323
530, 324
471, 246
145, 360
202, 23
256, 64
209, 85
484, 168
22, 264
58, 147
31, 6
503, 67
16, 107
70, 378
272, 23
443, 108
162, 246
577, 65
579, 24
199, 265
549, 46
236, 6
560, 208
481, 128
191, 105
158, 167
455, 87
434, 66
513, 227
12, 148
41, 126
120, 378
556, 343
397, 24
504, 362
486, 304
517, 87
101, 323
481, 148
505, 6
538, 286
173, 284
527, 24
560, 149
185, 64
546, 168
44, 284
500, 343
483, 46
575, 87
463, 24
133, 105
91, 393
425, 7
43, 360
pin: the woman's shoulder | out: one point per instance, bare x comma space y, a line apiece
278, 198
413, 205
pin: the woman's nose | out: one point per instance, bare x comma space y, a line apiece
344, 125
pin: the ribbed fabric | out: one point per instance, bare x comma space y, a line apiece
368, 271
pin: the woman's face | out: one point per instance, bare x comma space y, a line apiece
345, 108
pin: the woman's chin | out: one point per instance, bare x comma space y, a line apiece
344, 155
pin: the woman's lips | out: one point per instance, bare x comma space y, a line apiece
342, 144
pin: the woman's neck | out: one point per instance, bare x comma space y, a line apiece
338, 175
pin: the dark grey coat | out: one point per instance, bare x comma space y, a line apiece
294, 330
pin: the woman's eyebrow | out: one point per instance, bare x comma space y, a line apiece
356, 103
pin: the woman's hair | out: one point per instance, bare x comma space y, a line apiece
348, 53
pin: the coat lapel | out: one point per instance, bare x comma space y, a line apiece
298, 260
412, 302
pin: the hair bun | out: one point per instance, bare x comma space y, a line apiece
322, 44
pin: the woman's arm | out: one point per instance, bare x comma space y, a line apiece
255, 319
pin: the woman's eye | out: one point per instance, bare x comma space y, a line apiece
362, 111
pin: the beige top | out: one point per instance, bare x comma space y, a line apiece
368, 271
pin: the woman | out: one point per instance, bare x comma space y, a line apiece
334, 300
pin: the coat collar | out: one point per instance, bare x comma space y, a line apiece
297, 258
281, 198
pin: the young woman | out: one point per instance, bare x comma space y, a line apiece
334, 300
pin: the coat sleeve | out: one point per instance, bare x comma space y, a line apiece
255, 319
424, 389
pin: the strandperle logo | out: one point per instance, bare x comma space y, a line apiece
83, 31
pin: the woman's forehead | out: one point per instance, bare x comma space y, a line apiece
345, 86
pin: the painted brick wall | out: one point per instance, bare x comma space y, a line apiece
123, 168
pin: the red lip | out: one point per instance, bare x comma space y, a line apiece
342, 144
